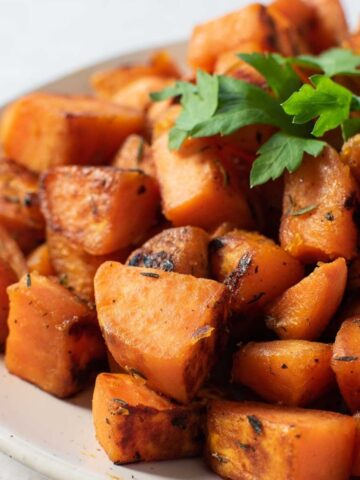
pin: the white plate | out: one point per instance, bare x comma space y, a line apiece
56, 437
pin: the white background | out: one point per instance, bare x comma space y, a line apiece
43, 39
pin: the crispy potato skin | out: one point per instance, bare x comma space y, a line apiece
198, 188
44, 130
74, 267
19, 204
11, 253
350, 155
175, 354
288, 372
54, 340
304, 310
327, 231
135, 153
181, 250
102, 209
143, 426
39, 261
346, 362
255, 269
7, 277
250, 440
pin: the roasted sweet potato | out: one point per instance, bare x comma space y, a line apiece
346, 362
54, 340
7, 277
102, 209
135, 153
164, 121
133, 423
176, 352
251, 441
350, 155
108, 82
318, 210
224, 34
304, 310
45, 130
181, 250
39, 261
254, 268
352, 41
355, 471
329, 27
11, 253
74, 267
288, 372
19, 204
197, 188
136, 94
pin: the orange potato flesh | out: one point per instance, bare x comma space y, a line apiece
102, 209
39, 261
74, 267
108, 82
11, 253
224, 34
19, 204
164, 120
288, 372
304, 310
355, 471
135, 153
255, 269
350, 155
7, 277
54, 341
165, 325
254, 441
328, 230
346, 362
133, 423
197, 188
46, 130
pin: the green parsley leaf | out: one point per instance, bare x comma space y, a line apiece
327, 100
303, 211
176, 138
350, 127
277, 71
336, 61
179, 88
282, 152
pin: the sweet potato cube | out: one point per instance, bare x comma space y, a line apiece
304, 310
318, 210
7, 277
74, 267
160, 429
288, 372
19, 204
107, 83
329, 27
11, 253
350, 155
102, 209
39, 261
355, 471
165, 325
346, 362
181, 250
54, 340
47, 130
197, 188
254, 268
251, 441
135, 153
226, 33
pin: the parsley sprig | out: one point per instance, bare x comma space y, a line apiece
302, 113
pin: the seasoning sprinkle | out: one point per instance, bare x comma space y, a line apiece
256, 424
302, 211
244, 446
140, 151
28, 280
220, 458
256, 297
346, 358
150, 274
